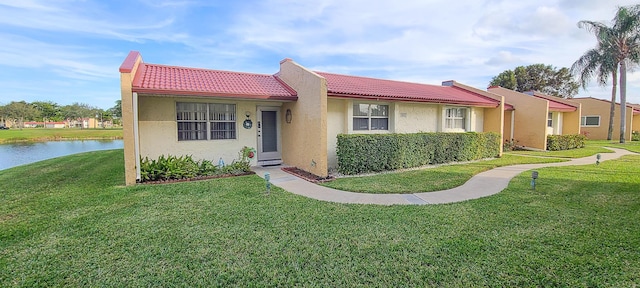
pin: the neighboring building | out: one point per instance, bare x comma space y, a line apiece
291, 117
536, 115
595, 118
32, 124
85, 123
55, 125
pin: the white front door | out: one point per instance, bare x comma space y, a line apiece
269, 146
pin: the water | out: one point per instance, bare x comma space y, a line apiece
16, 154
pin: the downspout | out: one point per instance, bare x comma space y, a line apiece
136, 138
513, 122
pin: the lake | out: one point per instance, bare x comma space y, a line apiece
16, 154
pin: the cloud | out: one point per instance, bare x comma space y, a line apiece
90, 20
70, 61
504, 58
415, 40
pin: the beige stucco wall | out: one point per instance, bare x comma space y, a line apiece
304, 140
635, 123
158, 130
404, 117
507, 133
556, 124
416, 117
597, 107
336, 124
477, 119
493, 118
571, 121
530, 119
127, 97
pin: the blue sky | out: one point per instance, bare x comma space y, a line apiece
69, 51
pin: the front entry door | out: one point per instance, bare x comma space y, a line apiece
269, 147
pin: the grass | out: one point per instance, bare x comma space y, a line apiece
591, 148
71, 223
633, 146
450, 176
429, 179
50, 134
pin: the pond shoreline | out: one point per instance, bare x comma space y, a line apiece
25, 152
52, 139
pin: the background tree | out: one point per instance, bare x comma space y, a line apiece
3, 116
598, 62
19, 111
623, 39
116, 112
78, 111
48, 110
539, 77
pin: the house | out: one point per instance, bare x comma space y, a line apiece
536, 115
291, 117
32, 124
55, 125
595, 118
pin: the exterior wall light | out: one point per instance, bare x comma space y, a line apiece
287, 116
247, 124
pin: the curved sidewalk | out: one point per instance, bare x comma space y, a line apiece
481, 185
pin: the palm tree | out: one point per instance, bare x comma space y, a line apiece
621, 42
598, 62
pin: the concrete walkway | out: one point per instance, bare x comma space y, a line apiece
481, 185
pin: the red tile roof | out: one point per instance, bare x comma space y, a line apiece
371, 88
172, 80
555, 103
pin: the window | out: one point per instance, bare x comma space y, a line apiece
587, 121
370, 117
222, 119
201, 121
550, 120
455, 118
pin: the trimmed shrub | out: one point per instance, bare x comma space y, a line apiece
183, 167
635, 136
361, 153
565, 142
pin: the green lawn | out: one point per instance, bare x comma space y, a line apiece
450, 176
591, 148
69, 222
50, 134
633, 146
429, 179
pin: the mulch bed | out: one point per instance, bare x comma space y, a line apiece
196, 178
313, 178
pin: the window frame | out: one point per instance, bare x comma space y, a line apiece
207, 120
583, 120
550, 120
369, 117
464, 118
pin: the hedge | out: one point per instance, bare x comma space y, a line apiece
361, 153
565, 142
